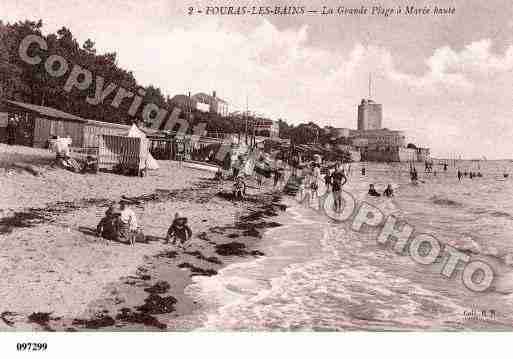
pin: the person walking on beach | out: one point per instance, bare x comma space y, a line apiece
314, 187
179, 232
459, 175
338, 179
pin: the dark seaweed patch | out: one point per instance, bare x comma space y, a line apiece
100, 321
199, 255
236, 249
4, 318
197, 271
155, 304
167, 254
128, 316
42, 319
158, 288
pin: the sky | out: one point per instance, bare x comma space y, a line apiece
445, 80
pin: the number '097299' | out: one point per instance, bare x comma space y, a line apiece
31, 347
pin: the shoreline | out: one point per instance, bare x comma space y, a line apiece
56, 272
139, 302
72, 277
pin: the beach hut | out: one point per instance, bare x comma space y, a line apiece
35, 125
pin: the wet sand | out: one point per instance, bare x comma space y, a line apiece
56, 275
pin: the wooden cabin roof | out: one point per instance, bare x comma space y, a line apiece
45, 111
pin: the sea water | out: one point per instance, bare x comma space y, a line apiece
319, 274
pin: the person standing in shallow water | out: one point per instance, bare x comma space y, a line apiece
338, 179
373, 192
327, 180
389, 192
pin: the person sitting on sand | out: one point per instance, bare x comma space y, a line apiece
127, 223
389, 192
373, 192
90, 165
239, 188
179, 232
108, 226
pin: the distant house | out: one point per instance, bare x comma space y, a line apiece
267, 126
211, 103
186, 103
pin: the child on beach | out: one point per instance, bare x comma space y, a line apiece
128, 227
108, 226
179, 231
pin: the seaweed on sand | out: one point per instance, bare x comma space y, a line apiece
100, 321
158, 288
4, 318
235, 249
200, 256
197, 271
128, 316
155, 304
167, 254
42, 319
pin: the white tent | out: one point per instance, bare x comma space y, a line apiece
134, 131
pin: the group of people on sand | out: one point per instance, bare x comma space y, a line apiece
61, 147
120, 224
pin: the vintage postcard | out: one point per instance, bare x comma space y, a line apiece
255, 166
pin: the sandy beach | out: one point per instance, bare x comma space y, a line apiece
57, 275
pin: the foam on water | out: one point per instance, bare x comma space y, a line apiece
309, 280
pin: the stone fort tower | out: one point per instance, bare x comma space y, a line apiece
370, 115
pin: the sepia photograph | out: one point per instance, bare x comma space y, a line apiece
262, 166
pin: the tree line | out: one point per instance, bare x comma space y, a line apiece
32, 84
